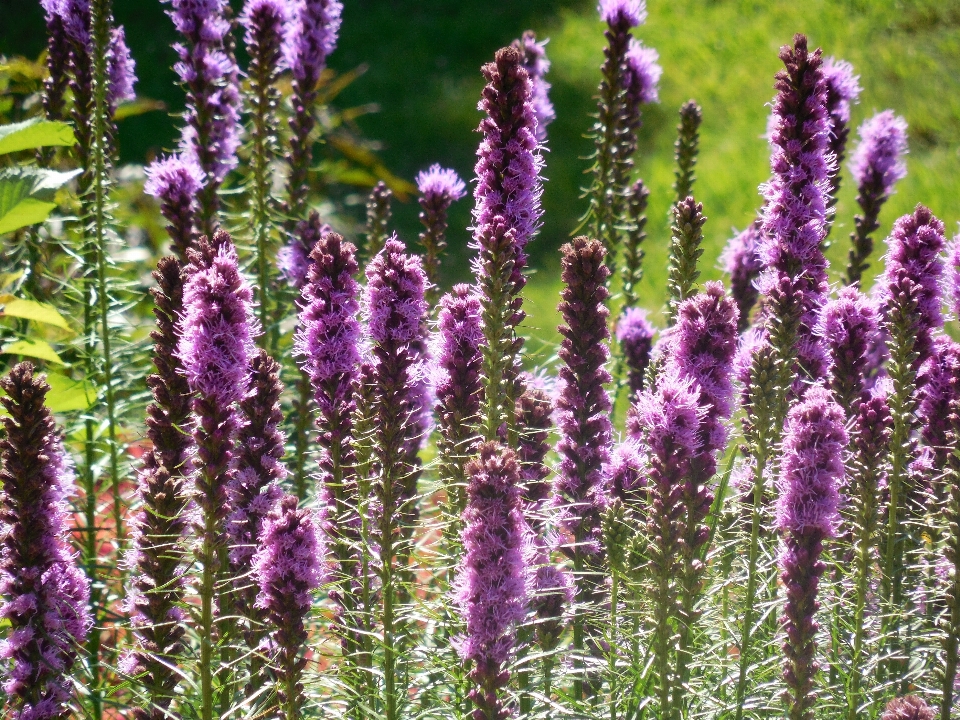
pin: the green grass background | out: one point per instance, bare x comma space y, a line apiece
424, 56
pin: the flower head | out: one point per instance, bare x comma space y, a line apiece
440, 185
848, 326
743, 264
394, 303
843, 90
312, 37
175, 182
643, 73
909, 707
623, 12
878, 159
120, 69
536, 63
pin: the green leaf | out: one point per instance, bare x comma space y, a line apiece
32, 348
67, 395
138, 107
35, 133
26, 195
11, 306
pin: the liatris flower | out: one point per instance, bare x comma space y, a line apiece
743, 264
625, 478
378, 218
491, 586
807, 512
45, 594
175, 181
209, 72
264, 23
686, 149
216, 344
871, 437
458, 359
848, 325
536, 64
635, 335
551, 592
667, 422
632, 271
327, 340
120, 70
933, 414
534, 421
439, 188
258, 471
506, 215
953, 275
843, 90
156, 584
395, 309
583, 405
289, 568
685, 250
909, 707
58, 59
877, 165
312, 37
642, 76
795, 214
951, 554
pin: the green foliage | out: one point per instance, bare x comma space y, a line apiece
26, 195
35, 133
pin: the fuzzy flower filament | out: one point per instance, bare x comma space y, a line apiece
742, 263
807, 514
491, 585
536, 64
843, 90
176, 181
877, 165
45, 595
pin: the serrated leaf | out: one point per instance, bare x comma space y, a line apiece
67, 395
11, 306
32, 348
35, 133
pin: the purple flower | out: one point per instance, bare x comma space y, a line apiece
583, 406
953, 275
743, 264
491, 584
175, 182
254, 487
877, 165
807, 513
439, 188
293, 259
939, 378
311, 39
217, 328
289, 568
120, 70
909, 707
209, 71
910, 284
843, 90
635, 335
536, 64
156, 588
848, 326
625, 474
458, 361
551, 592
643, 73
58, 62
508, 169
795, 215
623, 12
534, 419
45, 594
265, 18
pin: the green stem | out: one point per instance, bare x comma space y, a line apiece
862, 585
207, 553
578, 632
612, 660
301, 434
751, 592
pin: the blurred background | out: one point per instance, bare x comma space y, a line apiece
420, 82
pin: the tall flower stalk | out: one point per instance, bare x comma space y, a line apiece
536, 64
215, 347
45, 595
176, 181
378, 219
742, 263
506, 215
812, 467
491, 585
583, 408
686, 237
289, 569
209, 74
439, 188
156, 590
843, 90
877, 165
264, 22
686, 149
910, 294
395, 309
327, 341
